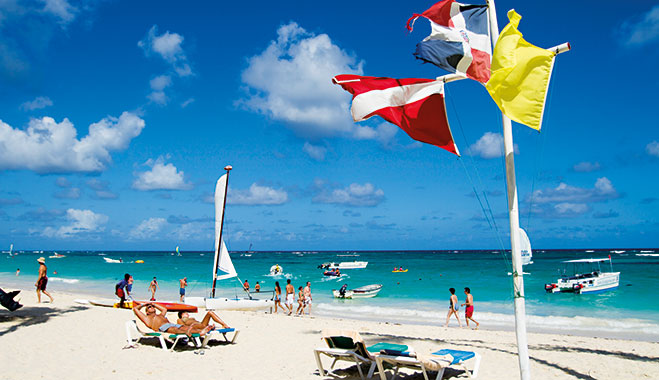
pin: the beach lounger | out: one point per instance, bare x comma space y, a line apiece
437, 361
349, 346
223, 332
134, 334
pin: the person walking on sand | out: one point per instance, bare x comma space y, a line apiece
300, 301
153, 286
278, 296
453, 308
307, 296
290, 296
469, 310
42, 281
120, 289
183, 283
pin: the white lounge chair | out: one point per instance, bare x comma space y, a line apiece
437, 361
349, 346
214, 333
134, 334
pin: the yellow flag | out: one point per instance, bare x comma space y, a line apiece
520, 75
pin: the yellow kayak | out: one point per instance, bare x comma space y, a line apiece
399, 271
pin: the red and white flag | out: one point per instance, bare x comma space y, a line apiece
415, 105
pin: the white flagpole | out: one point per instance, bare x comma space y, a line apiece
513, 213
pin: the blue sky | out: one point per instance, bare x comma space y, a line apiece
117, 118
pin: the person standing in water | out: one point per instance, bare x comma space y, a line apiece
183, 283
469, 310
153, 286
453, 308
42, 281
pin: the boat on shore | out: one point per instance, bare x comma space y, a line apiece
367, 291
587, 277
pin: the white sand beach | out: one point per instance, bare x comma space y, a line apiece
73, 341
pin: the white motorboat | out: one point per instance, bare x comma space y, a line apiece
586, 277
367, 291
345, 265
223, 266
112, 261
276, 270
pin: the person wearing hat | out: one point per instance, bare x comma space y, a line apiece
42, 281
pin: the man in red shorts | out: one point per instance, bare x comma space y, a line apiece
469, 310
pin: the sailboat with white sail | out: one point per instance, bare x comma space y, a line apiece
223, 268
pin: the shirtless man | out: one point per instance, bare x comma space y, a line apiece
153, 286
185, 319
469, 310
290, 296
183, 283
307, 296
453, 308
42, 280
158, 322
246, 286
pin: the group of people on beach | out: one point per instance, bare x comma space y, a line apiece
304, 298
454, 307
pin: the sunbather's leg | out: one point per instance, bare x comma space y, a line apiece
211, 315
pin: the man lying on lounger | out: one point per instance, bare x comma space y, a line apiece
185, 320
158, 322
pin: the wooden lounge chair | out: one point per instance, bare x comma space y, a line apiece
437, 361
134, 334
349, 346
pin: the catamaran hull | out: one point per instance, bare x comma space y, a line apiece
602, 283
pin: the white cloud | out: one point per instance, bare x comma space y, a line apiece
168, 47
61, 9
158, 86
653, 148
147, 229
38, 103
70, 193
563, 193
290, 81
641, 30
490, 145
101, 189
187, 102
316, 152
365, 195
586, 167
162, 176
257, 195
81, 221
50, 147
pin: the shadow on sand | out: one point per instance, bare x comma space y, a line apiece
30, 316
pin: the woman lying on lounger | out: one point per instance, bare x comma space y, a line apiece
185, 319
158, 322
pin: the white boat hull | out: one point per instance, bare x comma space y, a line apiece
349, 265
237, 304
599, 283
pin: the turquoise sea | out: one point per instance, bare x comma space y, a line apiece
418, 296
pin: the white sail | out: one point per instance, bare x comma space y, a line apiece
224, 263
525, 247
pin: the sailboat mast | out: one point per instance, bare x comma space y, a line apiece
219, 242
513, 213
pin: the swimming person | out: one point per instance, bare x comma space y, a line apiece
153, 286
120, 289
453, 308
42, 280
158, 322
278, 296
469, 310
185, 319
290, 296
182, 283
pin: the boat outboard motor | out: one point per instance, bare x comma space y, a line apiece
342, 291
7, 300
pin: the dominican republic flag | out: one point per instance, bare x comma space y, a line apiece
459, 41
415, 105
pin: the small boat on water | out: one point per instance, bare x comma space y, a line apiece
367, 291
399, 271
276, 270
112, 261
344, 265
56, 256
332, 273
587, 277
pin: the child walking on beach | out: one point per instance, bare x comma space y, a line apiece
453, 308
